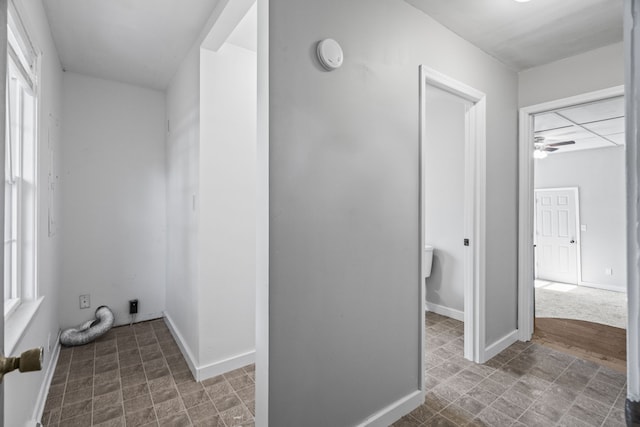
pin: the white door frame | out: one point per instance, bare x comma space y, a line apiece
474, 209
576, 196
525, 196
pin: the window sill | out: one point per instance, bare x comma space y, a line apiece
16, 325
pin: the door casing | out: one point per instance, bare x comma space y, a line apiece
526, 197
474, 211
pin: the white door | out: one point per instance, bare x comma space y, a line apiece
556, 236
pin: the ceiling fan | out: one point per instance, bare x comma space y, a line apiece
540, 144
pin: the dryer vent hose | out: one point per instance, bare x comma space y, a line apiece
89, 330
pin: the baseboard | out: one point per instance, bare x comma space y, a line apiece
142, 317
603, 287
395, 411
46, 383
445, 311
210, 370
504, 342
182, 344
217, 368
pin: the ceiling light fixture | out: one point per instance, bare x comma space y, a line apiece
522, 1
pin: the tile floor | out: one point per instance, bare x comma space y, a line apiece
525, 385
136, 376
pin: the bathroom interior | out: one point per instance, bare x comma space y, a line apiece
444, 202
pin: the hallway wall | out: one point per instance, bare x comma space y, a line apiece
594, 70
227, 205
113, 211
344, 239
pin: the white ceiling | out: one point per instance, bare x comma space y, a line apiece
141, 42
525, 35
594, 125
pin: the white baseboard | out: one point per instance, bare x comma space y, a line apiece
124, 319
217, 368
445, 311
184, 348
500, 345
603, 287
395, 411
209, 370
46, 383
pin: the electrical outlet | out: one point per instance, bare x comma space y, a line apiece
85, 301
133, 306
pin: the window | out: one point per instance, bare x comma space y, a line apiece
20, 167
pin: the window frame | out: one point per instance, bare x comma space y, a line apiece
22, 135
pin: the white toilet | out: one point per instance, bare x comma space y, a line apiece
427, 260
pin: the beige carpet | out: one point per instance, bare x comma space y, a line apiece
581, 303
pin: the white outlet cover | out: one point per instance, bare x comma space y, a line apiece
330, 54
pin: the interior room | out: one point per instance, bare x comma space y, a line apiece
579, 225
249, 207
444, 210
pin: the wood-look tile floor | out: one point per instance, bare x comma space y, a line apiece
136, 376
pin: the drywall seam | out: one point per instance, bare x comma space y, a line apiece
445, 311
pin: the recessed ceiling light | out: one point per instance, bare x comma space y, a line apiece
522, 1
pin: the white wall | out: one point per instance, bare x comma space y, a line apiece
113, 161
227, 232
21, 390
344, 241
182, 165
599, 176
598, 69
444, 192
211, 108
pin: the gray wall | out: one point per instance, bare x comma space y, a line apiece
444, 193
599, 176
344, 251
594, 70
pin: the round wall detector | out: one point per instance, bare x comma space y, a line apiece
330, 54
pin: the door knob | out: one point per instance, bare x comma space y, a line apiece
572, 241
30, 360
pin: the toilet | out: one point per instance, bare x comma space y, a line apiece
427, 260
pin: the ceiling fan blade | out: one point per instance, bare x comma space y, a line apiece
560, 144
550, 149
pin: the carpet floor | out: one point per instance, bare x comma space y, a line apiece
560, 300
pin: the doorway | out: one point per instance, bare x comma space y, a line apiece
572, 207
471, 159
